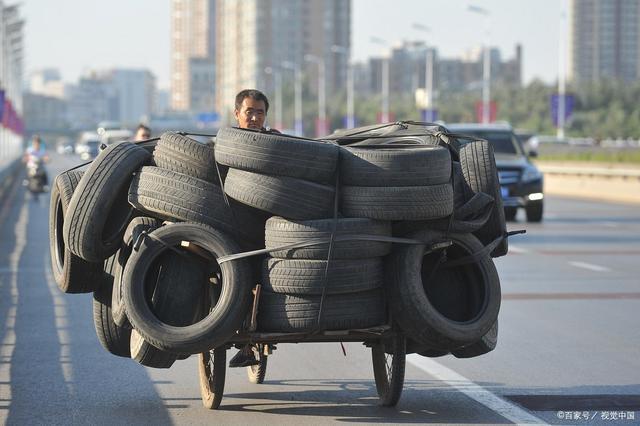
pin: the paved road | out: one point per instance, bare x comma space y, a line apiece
569, 339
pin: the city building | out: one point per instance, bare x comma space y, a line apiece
46, 82
45, 114
604, 40
135, 91
126, 96
193, 53
407, 69
11, 69
258, 43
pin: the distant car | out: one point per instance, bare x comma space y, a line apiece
64, 148
91, 150
109, 137
520, 180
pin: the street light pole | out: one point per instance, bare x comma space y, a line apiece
428, 72
486, 66
322, 104
277, 77
350, 95
561, 72
385, 82
297, 96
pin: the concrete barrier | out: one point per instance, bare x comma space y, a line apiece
598, 181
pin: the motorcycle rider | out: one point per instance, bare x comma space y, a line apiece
34, 157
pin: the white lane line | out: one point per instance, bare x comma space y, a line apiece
590, 266
610, 224
474, 391
517, 249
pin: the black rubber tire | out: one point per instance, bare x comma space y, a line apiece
178, 197
257, 373
486, 344
224, 318
304, 276
288, 313
277, 154
71, 273
212, 369
98, 211
397, 202
481, 175
148, 355
510, 213
389, 166
113, 338
534, 212
389, 360
136, 227
280, 195
457, 306
187, 156
281, 232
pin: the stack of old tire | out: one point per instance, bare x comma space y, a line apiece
142, 231
446, 301
151, 294
305, 288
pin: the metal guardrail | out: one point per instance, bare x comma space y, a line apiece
591, 171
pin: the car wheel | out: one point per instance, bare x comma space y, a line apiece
534, 212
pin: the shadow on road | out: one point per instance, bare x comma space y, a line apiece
59, 373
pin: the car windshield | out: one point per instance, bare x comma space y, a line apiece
503, 142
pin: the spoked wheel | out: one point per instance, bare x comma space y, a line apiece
212, 368
388, 368
256, 373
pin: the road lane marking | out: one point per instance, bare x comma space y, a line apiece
474, 391
9, 340
517, 249
570, 296
60, 318
589, 266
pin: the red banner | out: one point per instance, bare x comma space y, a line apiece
493, 111
10, 118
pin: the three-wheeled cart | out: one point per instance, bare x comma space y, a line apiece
388, 352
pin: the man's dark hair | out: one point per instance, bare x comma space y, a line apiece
143, 127
254, 94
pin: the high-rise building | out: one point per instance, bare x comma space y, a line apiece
193, 41
125, 96
259, 39
604, 40
11, 69
135, 90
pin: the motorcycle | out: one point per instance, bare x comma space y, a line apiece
36, 180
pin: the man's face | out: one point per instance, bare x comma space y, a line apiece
251, 114
142, 134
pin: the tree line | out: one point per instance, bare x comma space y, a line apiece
608, 109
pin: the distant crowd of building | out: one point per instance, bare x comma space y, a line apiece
219, 47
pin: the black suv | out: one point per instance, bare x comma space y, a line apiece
520, 180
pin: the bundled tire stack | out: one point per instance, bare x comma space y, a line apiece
113, 233
143, 230
446, 301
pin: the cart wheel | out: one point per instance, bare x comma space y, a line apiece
212, 368
388, 369
256, 373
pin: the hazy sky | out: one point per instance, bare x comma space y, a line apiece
78, 35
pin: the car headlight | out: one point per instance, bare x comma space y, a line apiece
531, 173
